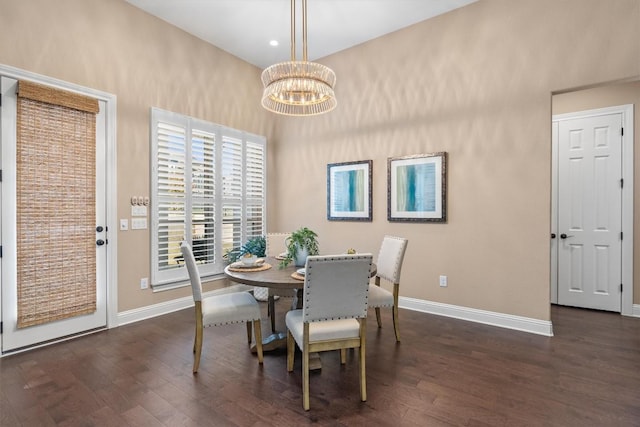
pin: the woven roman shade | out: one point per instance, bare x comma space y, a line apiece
56, 204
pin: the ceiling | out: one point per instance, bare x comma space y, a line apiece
244, 28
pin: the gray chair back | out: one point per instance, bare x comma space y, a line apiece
192, 268
336, 287
276, 243
390, 258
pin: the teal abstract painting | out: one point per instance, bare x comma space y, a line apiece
349, 191
417, 188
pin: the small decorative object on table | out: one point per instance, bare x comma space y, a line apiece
249, 259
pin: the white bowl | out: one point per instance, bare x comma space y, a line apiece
249, 260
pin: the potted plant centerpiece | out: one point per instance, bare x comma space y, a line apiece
302, 243
254, 246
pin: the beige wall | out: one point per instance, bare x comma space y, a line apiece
610, 96
476, 83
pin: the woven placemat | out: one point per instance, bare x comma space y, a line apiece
297, 276
262, 267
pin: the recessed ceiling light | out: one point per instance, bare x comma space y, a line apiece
273, 43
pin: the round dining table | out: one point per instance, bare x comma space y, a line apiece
275, 278
272, 278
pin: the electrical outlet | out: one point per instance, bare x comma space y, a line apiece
144, 283
443, 281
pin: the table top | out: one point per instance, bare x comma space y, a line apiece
275, 277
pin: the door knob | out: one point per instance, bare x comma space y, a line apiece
99, 229
564, 236
99, 242
553, 235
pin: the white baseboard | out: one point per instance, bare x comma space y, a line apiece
150, 311
636, 310
525, 324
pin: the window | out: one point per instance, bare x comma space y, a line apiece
208, 189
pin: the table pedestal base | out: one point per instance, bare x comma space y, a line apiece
279, 340
272, 342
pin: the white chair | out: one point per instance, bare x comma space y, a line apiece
218, 310
389, 267
333, 314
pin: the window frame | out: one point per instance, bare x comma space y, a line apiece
177, 276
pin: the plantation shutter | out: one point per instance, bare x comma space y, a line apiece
232, 180
255, 193
208, 189
203, 195
170, 194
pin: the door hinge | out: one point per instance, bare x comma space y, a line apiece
621, 235
622, 131
1, 328
620, 287
0, 251
621, 182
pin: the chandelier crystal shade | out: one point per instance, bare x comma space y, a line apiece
298, 88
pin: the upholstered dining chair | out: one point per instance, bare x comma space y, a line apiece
333, 315
389, 264
275, 245
218, 310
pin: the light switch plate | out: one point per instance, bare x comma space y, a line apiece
138, 223
138, 210
124, 224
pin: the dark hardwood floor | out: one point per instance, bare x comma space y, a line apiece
446, 372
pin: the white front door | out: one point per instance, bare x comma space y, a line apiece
589, 212
14, 337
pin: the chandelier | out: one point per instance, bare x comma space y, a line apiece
298, 88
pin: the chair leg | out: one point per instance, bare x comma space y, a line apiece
258, 330
343, 356
249, 332
396, 323
363, 370
378, 317
291, 348
271, 302
305, 378
197, 347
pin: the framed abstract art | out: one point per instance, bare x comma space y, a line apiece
416, 188
349, 191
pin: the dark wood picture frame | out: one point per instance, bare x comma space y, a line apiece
417, 188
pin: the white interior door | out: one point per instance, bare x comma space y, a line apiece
14, 338
589, 212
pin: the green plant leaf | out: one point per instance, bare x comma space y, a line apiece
304, 238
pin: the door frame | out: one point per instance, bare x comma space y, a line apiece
110, 184
627, 198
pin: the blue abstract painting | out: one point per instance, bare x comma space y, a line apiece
349, 191
417, 188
